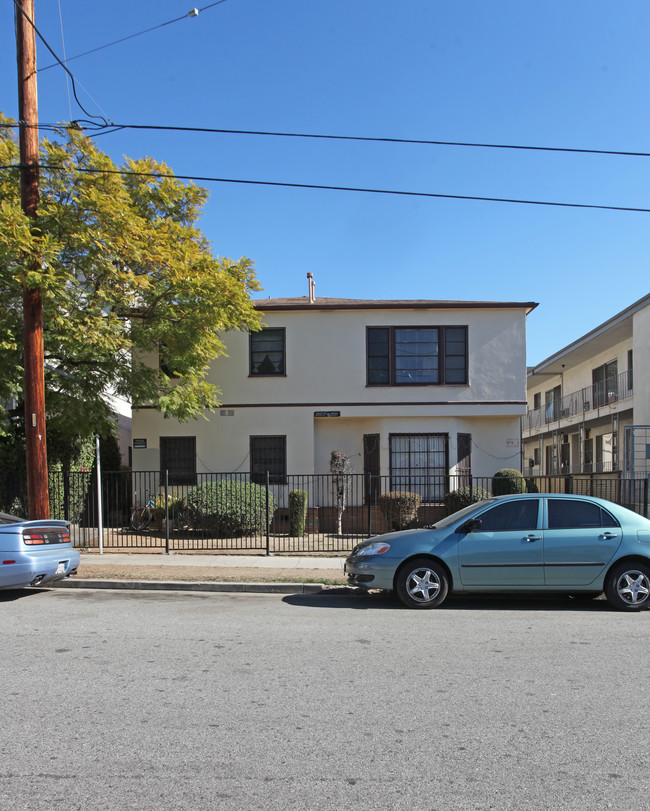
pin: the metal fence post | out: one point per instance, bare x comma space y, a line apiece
268, 528
166, 512
369, 501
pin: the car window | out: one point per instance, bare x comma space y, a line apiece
513, 515
576, 514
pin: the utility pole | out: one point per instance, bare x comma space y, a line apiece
34, 394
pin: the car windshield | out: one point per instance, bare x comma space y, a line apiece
457, 516
5, 518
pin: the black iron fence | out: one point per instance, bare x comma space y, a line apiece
301, 514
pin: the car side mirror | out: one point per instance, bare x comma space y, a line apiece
471, 526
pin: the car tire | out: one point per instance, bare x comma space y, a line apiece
627, 586
422, 583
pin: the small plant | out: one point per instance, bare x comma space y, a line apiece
340, 469
297, 513
507, 481
400, 508
463, 497
174, 503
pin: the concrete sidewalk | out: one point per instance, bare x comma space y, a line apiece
201, 572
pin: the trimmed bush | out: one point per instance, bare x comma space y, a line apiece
297, 513
507, 481
463, 497
230, 508
400, 508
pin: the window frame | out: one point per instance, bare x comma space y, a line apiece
437, 484
178, 476
251, 339
275, 477
444, 355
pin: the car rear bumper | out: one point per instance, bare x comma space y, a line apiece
41, 567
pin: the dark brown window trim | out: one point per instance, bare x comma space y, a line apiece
251, 338
442, 355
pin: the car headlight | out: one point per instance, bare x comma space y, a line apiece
377, 548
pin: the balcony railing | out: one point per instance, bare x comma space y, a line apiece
593, 397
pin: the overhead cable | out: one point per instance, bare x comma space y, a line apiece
193, 12
323, 187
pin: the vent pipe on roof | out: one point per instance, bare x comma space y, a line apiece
312, 287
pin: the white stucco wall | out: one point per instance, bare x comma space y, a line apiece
326, 370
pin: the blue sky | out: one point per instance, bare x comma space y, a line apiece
564, 74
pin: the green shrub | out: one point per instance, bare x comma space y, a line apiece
230, 508
463, 497
297, 512
175, 505
507, 481
400, 508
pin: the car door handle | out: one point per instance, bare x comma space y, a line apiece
607, 536
531, 538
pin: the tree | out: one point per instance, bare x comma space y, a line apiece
340, 469
127, 277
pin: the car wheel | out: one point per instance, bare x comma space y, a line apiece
628, 586
422, 583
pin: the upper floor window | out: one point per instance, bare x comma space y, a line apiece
410, 356
267, 352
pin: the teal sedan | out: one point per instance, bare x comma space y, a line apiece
533, 542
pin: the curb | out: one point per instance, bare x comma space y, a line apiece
177, 585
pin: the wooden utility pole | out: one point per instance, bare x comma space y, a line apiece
35, 444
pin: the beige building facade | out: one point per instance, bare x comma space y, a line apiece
406, 389
588, 404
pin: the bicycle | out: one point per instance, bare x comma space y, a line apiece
141, 517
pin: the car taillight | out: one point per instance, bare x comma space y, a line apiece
55, 536
33, 537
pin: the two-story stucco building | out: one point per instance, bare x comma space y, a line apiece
589, 403
406, 389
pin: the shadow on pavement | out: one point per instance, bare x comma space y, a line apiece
364, 601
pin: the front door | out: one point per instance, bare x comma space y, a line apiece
507, 549
371, 467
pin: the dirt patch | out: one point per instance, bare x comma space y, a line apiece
209, 574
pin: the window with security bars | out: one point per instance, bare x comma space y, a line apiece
412, 356
267, 352
419, 463
268, 453
178, 456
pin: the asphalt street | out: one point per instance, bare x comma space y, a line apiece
173, 700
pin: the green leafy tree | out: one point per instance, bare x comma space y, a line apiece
126, 277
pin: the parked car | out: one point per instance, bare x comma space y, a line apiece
533, 542
35, 553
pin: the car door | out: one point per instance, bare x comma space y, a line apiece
506, 550
580, 538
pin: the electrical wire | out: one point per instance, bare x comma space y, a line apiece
370, 139
47, 45
95, 129
191, 13
323, 187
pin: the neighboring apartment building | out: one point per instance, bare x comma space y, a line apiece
589, 403
407, 389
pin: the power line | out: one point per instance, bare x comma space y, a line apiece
323, 187
194, 12
47, 45
95, 129
370, 139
